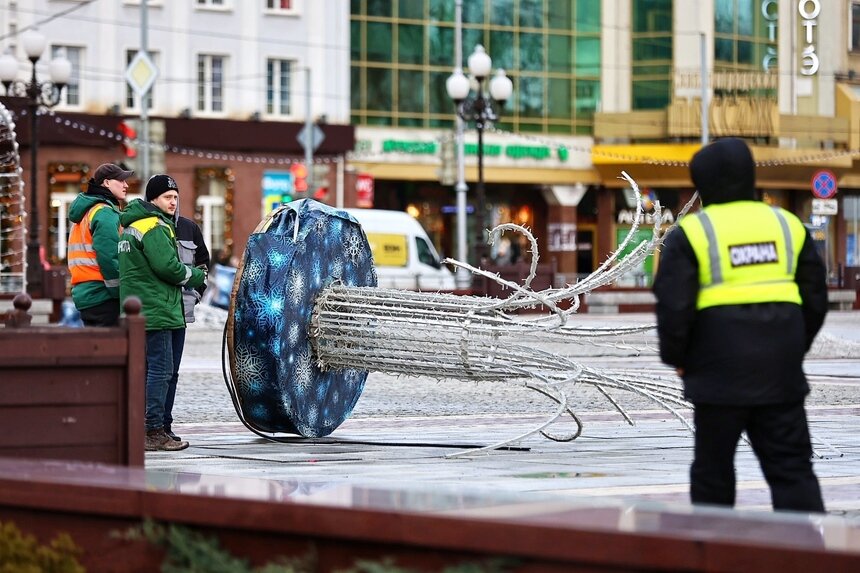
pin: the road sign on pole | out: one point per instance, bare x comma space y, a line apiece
824, 184
317, 137
141, 73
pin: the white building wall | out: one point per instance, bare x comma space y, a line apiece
315, 34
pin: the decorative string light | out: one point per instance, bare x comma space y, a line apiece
816, 157
12, 229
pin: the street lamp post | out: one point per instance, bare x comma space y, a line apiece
39, 95
479, 108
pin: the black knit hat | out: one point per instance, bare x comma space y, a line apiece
158, 185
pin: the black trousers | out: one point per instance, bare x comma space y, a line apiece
102, 314
779, 435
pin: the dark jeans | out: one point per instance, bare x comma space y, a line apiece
178, 347
779, 435
103, 314
159, 370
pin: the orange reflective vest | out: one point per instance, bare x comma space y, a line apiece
83, 265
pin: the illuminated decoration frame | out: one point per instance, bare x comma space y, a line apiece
307, 324
13, 239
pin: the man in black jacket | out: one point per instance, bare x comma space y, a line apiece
741, 293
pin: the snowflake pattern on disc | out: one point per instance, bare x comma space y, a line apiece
278, 383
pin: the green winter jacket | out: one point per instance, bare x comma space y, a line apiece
149, 265
105, 230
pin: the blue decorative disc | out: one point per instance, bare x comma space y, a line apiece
278, 384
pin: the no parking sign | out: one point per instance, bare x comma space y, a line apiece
824, 184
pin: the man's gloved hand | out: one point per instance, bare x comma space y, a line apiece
205, 270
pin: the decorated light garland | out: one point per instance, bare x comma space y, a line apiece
442, 139
12, 213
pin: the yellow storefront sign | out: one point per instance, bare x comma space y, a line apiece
389, 250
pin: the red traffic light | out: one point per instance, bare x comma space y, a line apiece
126, 130
129, 134
300, 174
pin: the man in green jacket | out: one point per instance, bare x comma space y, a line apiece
93, 238
150, 269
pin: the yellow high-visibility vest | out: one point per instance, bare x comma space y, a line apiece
747, 253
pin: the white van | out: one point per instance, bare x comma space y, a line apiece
402, 252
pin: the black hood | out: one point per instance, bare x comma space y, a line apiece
724, 171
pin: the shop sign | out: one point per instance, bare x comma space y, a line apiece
277, 187
364, 190
770, 13
825, 207
490, 150
626, 217
539, 152
809, 11
413, 147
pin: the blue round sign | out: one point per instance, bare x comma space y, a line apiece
824, 184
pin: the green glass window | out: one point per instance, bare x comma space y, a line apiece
471, 38
355, 88
559, 53
587, 57
410, 91
501, 49
355, 40
439, 100
742, 35
559, 100
652, 49
441, 45
441, 10
379, 89
531, 97
724, 17
402, 52
650, 94
561, 14
531, 52
587, 98
378, 42
410, 9
473, 12
379, 8
587, 16
410, 44
531, 13
502, 13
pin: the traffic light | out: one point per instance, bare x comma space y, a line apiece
300, 178
128, 130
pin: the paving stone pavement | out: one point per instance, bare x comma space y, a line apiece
403, 430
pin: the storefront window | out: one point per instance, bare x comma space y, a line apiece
851, 216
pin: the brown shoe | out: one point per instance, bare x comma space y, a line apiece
158, 440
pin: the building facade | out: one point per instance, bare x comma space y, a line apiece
236, 85
600, 87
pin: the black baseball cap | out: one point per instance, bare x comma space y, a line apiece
110, 171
